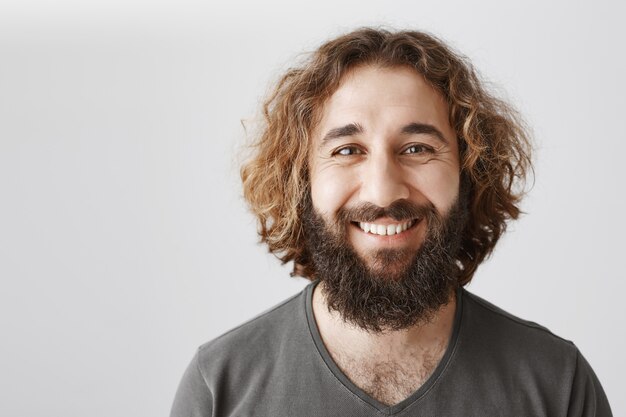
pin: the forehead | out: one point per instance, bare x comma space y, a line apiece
377, 96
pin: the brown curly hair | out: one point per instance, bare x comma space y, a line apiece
494, 143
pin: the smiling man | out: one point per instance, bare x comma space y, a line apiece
387, 173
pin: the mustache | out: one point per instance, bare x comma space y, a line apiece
399, 210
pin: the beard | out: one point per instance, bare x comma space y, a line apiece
401, 287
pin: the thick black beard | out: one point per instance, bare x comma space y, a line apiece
401, 288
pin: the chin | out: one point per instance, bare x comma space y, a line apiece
390, 264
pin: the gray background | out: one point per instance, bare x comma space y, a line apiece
124, 240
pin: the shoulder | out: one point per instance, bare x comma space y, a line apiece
256, 340
513, 340
521, 363
236, 359
487, 314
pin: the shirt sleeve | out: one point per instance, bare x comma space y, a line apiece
193, 397
587, 398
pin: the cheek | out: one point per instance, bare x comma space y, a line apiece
331, 189
439, 186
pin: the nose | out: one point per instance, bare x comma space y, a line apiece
383, 181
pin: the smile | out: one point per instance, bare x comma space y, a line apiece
386, 229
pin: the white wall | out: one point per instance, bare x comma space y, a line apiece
124, 240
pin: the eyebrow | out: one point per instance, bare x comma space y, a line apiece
415, 128
350, 129
424, 128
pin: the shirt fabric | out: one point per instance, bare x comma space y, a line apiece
495, 365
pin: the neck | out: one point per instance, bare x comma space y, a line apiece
343, 338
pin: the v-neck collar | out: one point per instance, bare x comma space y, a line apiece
421, 391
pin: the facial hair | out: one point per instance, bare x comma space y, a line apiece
401, 288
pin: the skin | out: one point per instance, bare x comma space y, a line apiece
379, 162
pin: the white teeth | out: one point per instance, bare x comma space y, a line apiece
384, 230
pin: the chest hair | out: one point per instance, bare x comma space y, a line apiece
390, 381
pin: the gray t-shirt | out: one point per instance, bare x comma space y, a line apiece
495, 365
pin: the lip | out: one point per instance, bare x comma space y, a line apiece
399, 238
386, 221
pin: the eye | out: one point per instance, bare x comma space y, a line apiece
348, 151
418, 149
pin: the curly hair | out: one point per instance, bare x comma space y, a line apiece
494, 143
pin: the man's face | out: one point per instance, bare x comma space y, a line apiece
383, 219
384, 136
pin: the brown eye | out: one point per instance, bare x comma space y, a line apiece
348, 150
417, 149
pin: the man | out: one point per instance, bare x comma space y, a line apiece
386, 173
